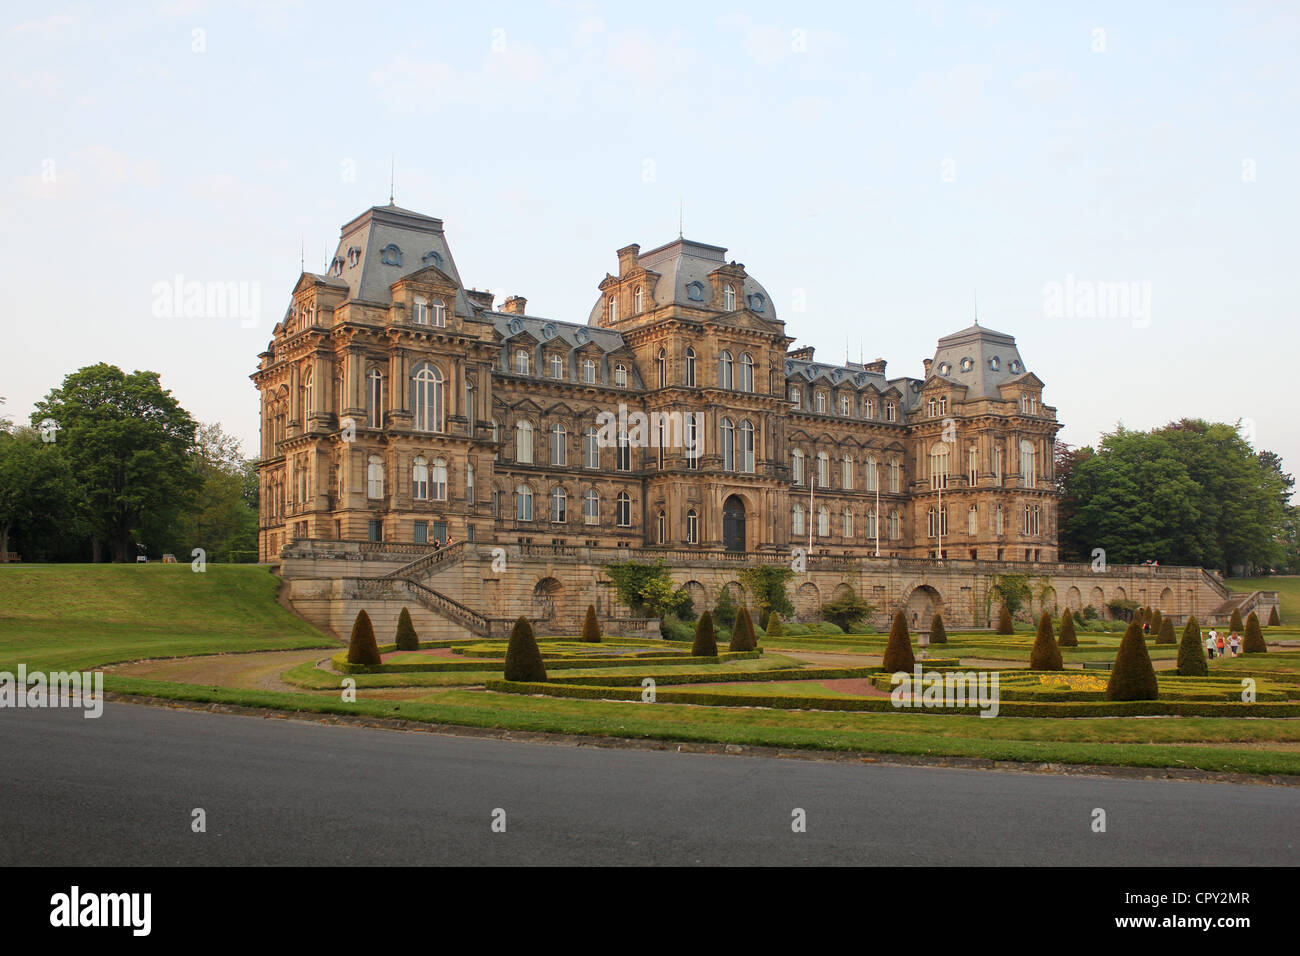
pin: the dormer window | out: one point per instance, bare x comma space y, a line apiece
439, 309
391, 255
336, 267
869, 408
891, 411
620, 376
819, 401
945, 368
556, 366
796, 396
420, 311
757, 302
521, 361
354, 255
967, 364
846, 406
1015, 366
728, 299
638, 300
995, 363
431, 258
589, 371
695, 291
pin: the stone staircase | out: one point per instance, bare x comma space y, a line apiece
1261, 602
439, 603
427, 565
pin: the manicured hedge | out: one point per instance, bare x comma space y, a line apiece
1133, 708
724, 677
442, 665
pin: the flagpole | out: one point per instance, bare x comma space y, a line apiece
876, 467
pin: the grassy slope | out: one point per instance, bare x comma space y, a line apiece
1288, 589
82, 616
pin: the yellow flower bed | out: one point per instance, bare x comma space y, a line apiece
1073, 681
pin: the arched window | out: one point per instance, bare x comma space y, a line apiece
375, 398
796, 396
895, 477
521, 361
469, 484
869, 408
728, 298
747, 447
420, 478
559, 454
623, 457
796, 466
523, 503
796, 519
589, 371
620, 376
746, 372
692, 527
420, 311
847, 515
439, 313
690, 367
997, 520
1028, 464
972, 474
559, 505
439, 488
427, 398
661, 367
728, 436
524, 443
823, 470
661, 527
939, 466
591, 448
871, 529
846, 472
638, 300
997, 466
823, 522
725, 371
557, 365
693, 446
895, 526
870, 474
591, 507
308, 394
932, 521
972, 520
613, 309
819, 402
623, 510
375, 477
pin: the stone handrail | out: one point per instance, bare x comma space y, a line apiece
430, 560
440, 603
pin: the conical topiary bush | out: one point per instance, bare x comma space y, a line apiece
1045, 656
407, 639
899, 655
1157, 619
1132, 677
1273, 619
1005, 624
1253, 643
591, 626
1234, 622
362, 648
1166, 635
938, 634
1067, 638
774, 627
1191, 652
523, 657
742, 635
706, 644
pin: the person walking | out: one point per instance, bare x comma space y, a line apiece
1234, 642
1220, 643
1209, 646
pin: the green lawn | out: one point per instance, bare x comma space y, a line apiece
1287, 587
55, 617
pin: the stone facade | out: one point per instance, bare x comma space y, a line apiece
399, 406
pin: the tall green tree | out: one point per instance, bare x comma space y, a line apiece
128, 443
38, 498
221, 520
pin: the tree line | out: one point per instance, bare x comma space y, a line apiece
112, 467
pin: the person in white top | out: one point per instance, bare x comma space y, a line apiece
1209, 645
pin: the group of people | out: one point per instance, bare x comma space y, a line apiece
437, 542
1215, 645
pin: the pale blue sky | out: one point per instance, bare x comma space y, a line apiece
889, 160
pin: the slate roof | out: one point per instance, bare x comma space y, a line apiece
984, 347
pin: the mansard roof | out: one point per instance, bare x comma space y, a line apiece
570, 334
980, 358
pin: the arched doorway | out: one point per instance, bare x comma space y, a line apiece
922, 605
548, 600
733, 524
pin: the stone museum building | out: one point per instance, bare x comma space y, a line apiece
400, 406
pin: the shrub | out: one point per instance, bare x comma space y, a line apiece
898, 651
1273, 619
937, 633
1191, 652
1166, 635
1156, 620
672, 628
1068, 638
1045, 656
362, 649
1234, 622
1254, 640
590, 626
1005, 624
406, 639
774, 626
742, 635
846, 610
523, 658
1132, 677
706, 645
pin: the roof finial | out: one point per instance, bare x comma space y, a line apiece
681, 216
392, 176
977, 307
302, 254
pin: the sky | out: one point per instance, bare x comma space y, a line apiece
1107, 182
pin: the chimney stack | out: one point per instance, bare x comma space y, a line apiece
927, 363
514, 305
627, 259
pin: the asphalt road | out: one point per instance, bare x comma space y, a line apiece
121, 790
